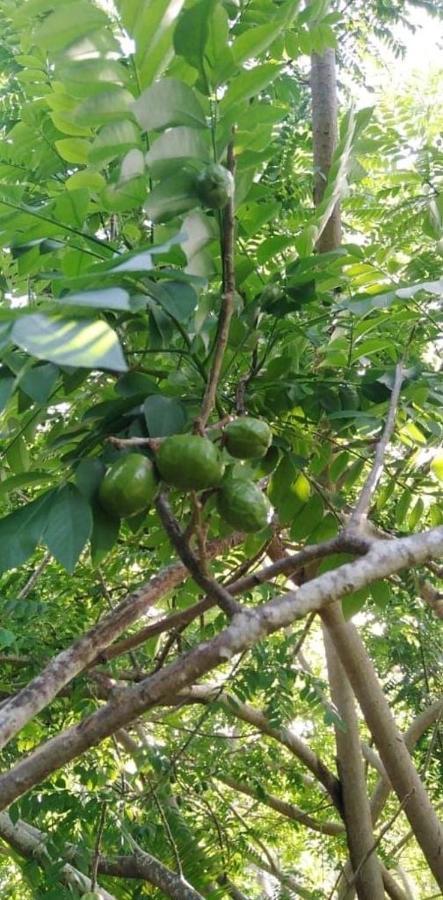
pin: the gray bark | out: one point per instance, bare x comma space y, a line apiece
391, 745
246, 629
325, 132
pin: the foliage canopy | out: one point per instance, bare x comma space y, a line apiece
115, 271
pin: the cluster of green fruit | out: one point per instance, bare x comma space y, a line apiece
190, 462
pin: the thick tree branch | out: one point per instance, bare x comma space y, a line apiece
288, 810
417, 728
247, 628
17, 711
285, 566
147, 868
390, 743
30, 843
357, 815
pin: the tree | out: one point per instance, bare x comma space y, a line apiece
168, 280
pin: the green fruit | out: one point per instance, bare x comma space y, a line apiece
129, 486
243, 505
248, 438
190, 462
215, 186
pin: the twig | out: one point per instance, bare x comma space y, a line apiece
152, 443
215, 590
96, 856
361, 510
284, 566
227, 304
27, 588
380, 837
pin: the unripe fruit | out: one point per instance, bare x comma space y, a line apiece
248, 438
215, 186
129, 486
190, 462
243, 505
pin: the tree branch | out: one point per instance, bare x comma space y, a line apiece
357, 815
61, 669
362, 508
30, 843
227, 305
390, 743
288, 810
219, 594
284, 736
286, 566
246, 629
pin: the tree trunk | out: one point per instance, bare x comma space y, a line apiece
356, 809
324, 134
390, 744
357, 816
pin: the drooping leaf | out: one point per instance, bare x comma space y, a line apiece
168, 102
69, 525
38, 382
104, 534
21, 531
84, 343
164, 415
151, 24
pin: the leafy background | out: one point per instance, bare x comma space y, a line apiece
109, 301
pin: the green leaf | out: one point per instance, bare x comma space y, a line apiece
69, 525
307, 519
114, 140
100, 109
20, 532
104, 534
39, 382
108, 298
123, 197
191, 33
353, 603
88, 476
151, 24
18, 455
168, 102
180, 300
7, 638
175, 146
73, 150
254, 41
23, 480
416, 514
164, 415
402, 508
68, 23
381, 593
7, 383
171, 197
248, 84
85, 343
